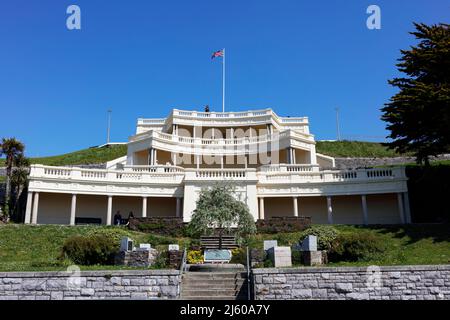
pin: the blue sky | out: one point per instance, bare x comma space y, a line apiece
141, 58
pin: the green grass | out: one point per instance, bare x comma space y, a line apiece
37, 248
85, 156
405, 245
354, 149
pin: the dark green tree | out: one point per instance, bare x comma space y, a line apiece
418, 116
218, 210
12, 149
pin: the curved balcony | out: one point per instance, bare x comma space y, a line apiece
234, 146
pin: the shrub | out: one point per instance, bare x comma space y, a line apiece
326, 235
161, 261
97, 249
114, 234
194, 256
239, 255
356, 247
156, 240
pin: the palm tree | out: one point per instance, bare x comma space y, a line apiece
12, 149
19, 181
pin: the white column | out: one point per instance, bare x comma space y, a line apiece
150, 157
155, 157
261, 208
109, 212
73, 209
407, 208
198, 161
401, 209
221, 162
294, 159
329, 210
178, 209
364, 209
144, 207
35, 208
295, 203
29, 206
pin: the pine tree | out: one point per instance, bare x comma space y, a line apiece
418, 116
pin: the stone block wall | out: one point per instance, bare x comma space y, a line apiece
130, 284
362, 283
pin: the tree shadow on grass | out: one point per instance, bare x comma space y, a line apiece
439, 232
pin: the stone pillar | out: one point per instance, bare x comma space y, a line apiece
407, 208
29, 206
178, 208
288, 155
261, 208
109, 212
294, 159
150, 156
364, 209
295, 203
401, 209
144, 207
155, 157
35, 208
329, 210
198, 161
73, 209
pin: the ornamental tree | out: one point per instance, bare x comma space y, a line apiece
418, 116
219, 210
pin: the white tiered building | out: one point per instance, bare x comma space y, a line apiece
270, 160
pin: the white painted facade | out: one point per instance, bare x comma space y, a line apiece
271, 161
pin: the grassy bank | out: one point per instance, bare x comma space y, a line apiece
37, 248
85, 156
355, 149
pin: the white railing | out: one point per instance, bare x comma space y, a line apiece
221, 115
174, 174
220, 174
359, 175
156, 168
170, 138
158, 121
289, 168
151, 174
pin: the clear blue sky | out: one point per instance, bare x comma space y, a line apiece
141, 58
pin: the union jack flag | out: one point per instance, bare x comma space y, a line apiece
217, 54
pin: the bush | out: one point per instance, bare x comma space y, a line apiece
239, 255
114, 234
98, 249
194, 256
356, 247
161, 261
326, 235
156, 240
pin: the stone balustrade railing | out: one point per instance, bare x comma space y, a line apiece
238, 141
173, 174
360, 175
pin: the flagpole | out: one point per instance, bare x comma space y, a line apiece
223, 81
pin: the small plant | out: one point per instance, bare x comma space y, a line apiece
326, 235
356, 247
194, 256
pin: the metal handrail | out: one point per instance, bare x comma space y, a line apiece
248, 276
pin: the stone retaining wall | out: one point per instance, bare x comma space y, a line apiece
129, 284
390, 283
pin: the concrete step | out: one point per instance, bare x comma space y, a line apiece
214, 275
213, 282
210, 292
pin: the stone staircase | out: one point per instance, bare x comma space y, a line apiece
214, 286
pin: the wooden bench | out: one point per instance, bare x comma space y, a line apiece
212, 242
